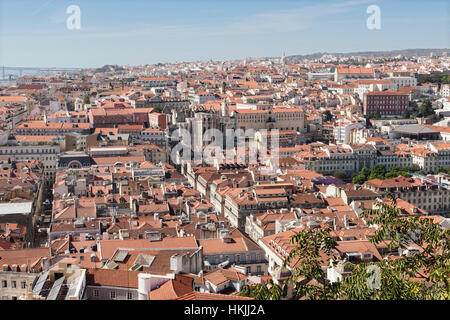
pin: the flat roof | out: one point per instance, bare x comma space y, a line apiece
414, 129
16, 208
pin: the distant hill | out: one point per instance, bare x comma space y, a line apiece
392, 53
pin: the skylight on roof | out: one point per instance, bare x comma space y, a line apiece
121, 256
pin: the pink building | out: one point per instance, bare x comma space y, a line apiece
108, 118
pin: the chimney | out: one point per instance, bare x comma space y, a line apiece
176, 263
45, 263
224, 233
346, 221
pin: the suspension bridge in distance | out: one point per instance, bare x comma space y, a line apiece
12, 73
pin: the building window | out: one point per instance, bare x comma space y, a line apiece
113, 294
4, 284
24, 285
14, 284
95, 293
130, 295
249, 269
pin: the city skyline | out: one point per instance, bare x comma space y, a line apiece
241, 151
132, 33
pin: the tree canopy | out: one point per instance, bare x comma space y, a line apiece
375, 115
413, 275
439, 78
380, 172
406, 114
86, 99
327, 116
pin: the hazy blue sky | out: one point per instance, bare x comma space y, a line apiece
34, 32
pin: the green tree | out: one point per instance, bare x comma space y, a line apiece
340, 175
377, 172
441, 169
267, 291
422, 275
327, 116
378, 113
406, 114
395, 173
375, 115
311, 245
359, 179
426, 109
365, 171
439, 78
307, 279
86, 100
379, 168
418, 276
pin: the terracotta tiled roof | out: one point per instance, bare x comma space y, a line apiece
112, 278
221, 276
173, 289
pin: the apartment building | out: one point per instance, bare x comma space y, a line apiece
338, 158
366, 86
389, 103
159, 82
154, 136
276, 118
28, 148
262, 225
353, 73
42, 128
424, 193
19, 269
108, 118
400, 82
240, 202
343, 128
239, 251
